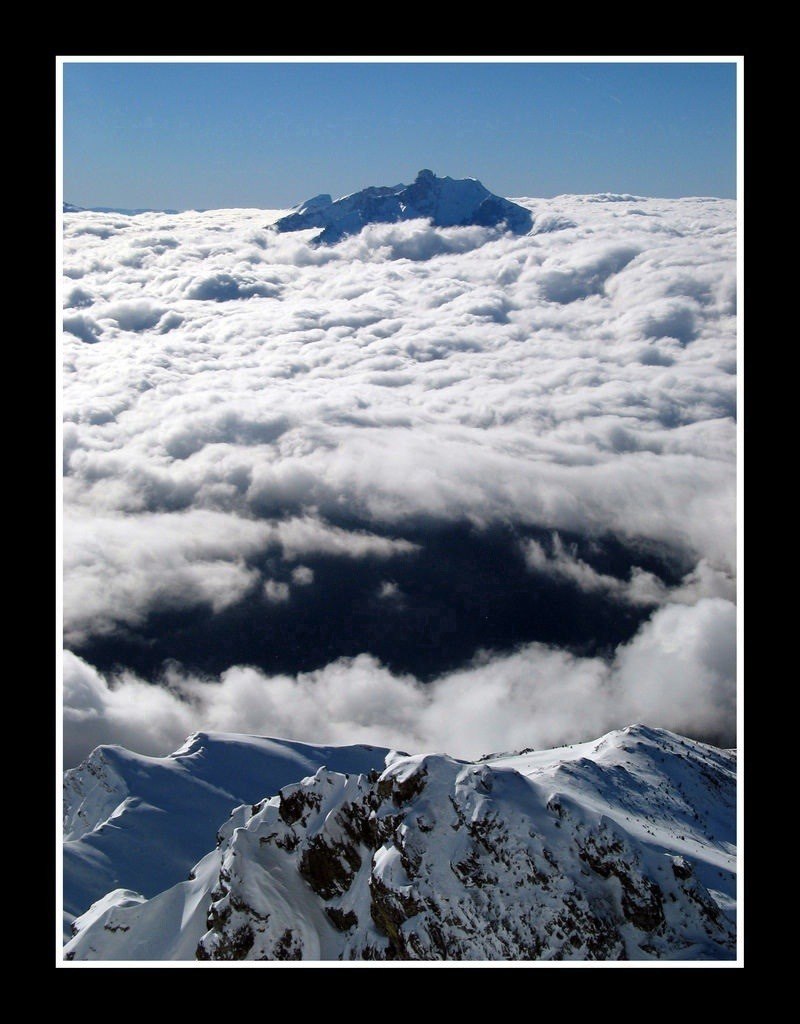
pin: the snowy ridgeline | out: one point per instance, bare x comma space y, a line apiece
623, 848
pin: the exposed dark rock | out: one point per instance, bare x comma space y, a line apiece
681, 868
287, 947
390, 909
329, 868
340, 919
294, 800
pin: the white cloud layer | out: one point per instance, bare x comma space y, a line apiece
677, 672
218, 375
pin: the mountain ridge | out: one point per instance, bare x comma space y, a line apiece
619, 848
140, 823
72, 208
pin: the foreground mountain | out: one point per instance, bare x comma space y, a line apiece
141, 822
446, 202
623, 848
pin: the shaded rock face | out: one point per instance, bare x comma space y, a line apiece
446, 202
437, 859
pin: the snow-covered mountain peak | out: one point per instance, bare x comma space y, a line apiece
446, 202
619, 848
315, 203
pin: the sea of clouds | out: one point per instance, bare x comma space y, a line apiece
229, 391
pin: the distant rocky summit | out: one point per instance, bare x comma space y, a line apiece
447, 202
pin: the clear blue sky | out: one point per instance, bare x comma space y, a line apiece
270, 135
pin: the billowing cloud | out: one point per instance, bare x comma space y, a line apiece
678, 672
241, 407
580, 378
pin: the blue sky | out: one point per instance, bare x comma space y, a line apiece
270, 135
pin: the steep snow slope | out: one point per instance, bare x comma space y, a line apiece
619, 849
140, 823
447, 202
